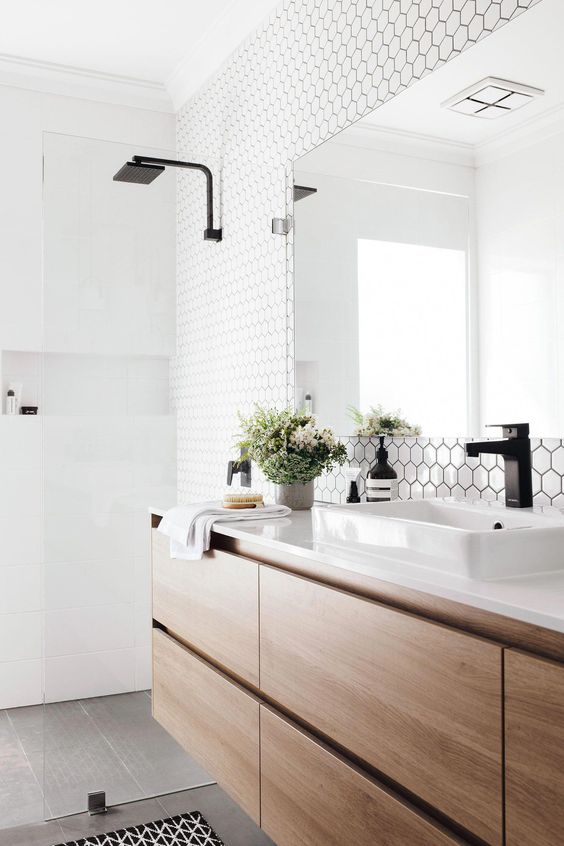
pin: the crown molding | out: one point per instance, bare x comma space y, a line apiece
417, 145
533, 131
224, 37
69, 81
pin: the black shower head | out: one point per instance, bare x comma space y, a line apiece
142, 174
144, 169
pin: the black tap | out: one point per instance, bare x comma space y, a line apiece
242, 466
516, 452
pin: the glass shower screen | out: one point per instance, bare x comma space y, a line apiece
108, 453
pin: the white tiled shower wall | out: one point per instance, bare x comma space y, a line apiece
311, 70
74, 582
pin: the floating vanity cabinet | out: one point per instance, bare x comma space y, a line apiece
211, 604
333, 718
534, 750
418, 702
211, 717
310, 796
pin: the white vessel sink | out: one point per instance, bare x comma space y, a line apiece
475, 539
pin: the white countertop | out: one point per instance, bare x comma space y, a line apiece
537, 599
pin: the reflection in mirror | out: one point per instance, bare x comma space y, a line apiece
380, 296
429, 267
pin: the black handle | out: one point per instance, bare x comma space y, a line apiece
242, 466
512, 430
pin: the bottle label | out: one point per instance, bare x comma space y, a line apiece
381, 490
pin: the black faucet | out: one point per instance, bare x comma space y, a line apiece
516, 452
242, 466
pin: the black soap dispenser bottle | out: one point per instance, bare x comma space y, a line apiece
382, 481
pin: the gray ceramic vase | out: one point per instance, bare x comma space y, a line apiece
298, 497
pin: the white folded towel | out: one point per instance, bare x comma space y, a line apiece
189, 527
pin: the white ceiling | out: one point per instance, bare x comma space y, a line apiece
527, 50
161, 50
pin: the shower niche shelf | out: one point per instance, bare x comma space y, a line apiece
77, 384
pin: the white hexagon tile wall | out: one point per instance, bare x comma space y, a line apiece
312, 69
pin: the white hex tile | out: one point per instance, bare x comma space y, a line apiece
465, 477
557, 460
480, 478
423, 472
416, 454
410, 472
541, 459
436, 474
551, 484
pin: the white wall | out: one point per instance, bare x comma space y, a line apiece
106, 424
408, 196
520, 213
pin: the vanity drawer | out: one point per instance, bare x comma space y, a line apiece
534, 750
214, 719
311, 796
212, 604
417, 701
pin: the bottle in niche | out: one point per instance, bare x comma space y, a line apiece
382, 480
11, 403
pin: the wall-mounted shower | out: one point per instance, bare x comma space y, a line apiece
144, 169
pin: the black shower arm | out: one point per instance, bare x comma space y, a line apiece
210, 233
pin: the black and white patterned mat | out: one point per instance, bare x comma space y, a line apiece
182, 830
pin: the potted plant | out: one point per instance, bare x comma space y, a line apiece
291, 450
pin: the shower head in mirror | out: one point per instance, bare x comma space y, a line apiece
302, 191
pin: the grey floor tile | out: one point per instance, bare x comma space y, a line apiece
21, 797
9, 742
222, 813
126, 708
28, 723
163, 779
107, 743
70, 773
156, 761
134, 813
52, 726
40, 834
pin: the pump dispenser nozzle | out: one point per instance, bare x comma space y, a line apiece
351, 476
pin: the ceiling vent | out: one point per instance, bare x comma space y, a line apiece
491, 98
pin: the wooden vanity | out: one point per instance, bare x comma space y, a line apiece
337, 711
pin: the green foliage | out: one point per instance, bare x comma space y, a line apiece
288, 446
376, 421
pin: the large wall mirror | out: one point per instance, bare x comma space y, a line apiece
429, 262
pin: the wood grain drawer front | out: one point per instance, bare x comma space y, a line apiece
212, 604
312, 797
534, 750
419, 702
214, 719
